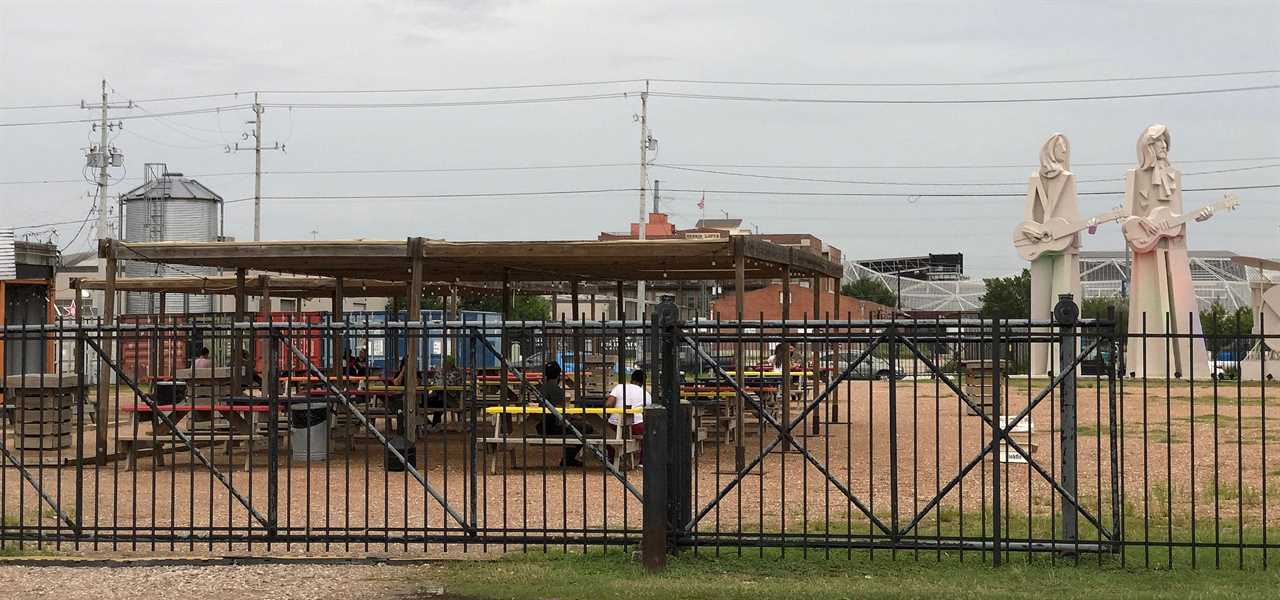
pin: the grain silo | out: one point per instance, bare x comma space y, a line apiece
169, 207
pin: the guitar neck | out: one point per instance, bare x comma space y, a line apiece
1185, 218
1078, 226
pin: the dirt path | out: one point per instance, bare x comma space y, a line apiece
218, 582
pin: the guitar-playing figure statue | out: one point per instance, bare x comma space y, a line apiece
1162, 299
1049, 238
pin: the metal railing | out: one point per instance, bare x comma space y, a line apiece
901, 437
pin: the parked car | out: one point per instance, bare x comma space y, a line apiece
692, 365
872, 367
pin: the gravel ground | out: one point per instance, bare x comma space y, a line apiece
276, 582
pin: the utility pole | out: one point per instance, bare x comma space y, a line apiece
103, 156
257, 148
647, 143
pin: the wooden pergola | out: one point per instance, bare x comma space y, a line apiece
413, 262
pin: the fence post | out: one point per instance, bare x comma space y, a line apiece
1114, 343
680, 434
996, 396
273, 432
1065, 314
667, 471
653, 541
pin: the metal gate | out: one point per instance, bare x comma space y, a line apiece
220, 472
824, 487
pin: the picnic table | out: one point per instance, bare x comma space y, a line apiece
712, 407
516, 427
241, 418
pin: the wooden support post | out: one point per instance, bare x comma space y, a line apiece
834, 417
77, 304
739, 294
414, 315
506, 337
621, 309
264, 315
50, 317
622, 335
155, 353
573, 300
3, 294
237, 345
815, 286
784, 358
337, 314
576, 343
107, 250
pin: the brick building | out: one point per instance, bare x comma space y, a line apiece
766, 303
696, 298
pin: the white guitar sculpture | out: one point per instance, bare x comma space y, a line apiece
1054, 235
1144, 233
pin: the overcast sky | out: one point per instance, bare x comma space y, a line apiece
56, 53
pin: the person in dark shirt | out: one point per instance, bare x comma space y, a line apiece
552, 426
446, 377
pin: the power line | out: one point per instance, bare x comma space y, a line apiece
689, 96
90, 215
941, 194
690, 167
929, 183
443, 196
371, 171
54, 224
176, 113
965, 83
948, 166
523, 86
169, 145
451, 169
454, 103
174, 127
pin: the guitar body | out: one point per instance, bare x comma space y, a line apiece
1143, 241
1030, 249
1167, 224
1059, 233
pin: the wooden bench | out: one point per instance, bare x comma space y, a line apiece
515, 427
242, 426
146, 441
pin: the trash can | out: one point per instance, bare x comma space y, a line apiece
309, 430
402, 446
170, 392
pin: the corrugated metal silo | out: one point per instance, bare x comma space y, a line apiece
169, 207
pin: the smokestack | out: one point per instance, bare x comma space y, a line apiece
655, 195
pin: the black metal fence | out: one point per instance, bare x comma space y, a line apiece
831, 436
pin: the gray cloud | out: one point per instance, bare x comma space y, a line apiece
167, 49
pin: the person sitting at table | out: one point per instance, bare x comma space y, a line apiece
775, 361
362, 363
448, 375
249, 365
399, 378
203, 360
552, 426
630, 395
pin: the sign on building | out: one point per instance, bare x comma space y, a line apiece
8, 255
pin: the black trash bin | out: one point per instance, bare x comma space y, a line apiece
309, 430
402, 446
170, 392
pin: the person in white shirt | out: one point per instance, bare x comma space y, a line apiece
630, 395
